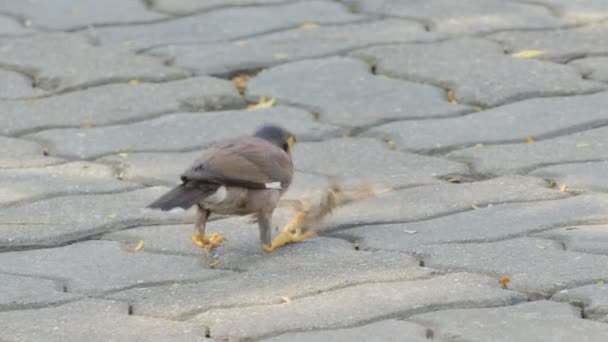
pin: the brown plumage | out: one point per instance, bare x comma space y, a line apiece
237, 177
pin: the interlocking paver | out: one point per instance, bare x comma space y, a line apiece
486, 224
20, 292
180, 132
558, 45
592, 298
588, 239
64, 219
182, 7
465, 17
429, 201
583, 11
70, 178
267, 50
59, 61
225, 24
14, 85
94, 267
15, 153
384, 331
65, 14
594, 68
511, 158
585, 176
118, 103
367, 99
11, 27
545, 117
537, 321
96, 321
358, 304
477, 71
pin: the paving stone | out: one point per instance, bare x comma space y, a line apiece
592, 298
357, 304
66, 15
11, 27
64, 219
25, 292
118, 103
93, 320
14, 85
583, 11
464, 17
543, 118
223, 24
15, 153
182, 7
477, 71
535, 321
485, 224
588, 239
384, 331
586, 176
595, 68
64, 179
511, 158
356, 161
180, 132
276, 48
430, 201
536, 267
558, 45
94, 267
367, 99
62, 61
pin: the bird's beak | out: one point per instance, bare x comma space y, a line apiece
291, 140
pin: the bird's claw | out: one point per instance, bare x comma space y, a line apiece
291, 233
207, 241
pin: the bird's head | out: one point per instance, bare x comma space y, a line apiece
278, 136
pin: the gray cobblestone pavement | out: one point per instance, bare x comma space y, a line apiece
486, 119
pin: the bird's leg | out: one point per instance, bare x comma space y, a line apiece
291, 233
200, 238
265, 226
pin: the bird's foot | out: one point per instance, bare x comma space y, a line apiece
291, 233
207, 241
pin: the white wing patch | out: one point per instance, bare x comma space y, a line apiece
273, 185
218, 197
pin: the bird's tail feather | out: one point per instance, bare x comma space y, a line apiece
182, 196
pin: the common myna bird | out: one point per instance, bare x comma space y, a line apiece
245, 176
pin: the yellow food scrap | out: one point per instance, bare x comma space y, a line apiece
137, 248
528, 54
207, 241
112, 216
263, 103
134, 82
214, 263
285, 299
391, 145
309, 25
583, 145
87, 126
452, 97
478, 108
454, 180
27, 23
478, 145
562, 188
123, 154
552, 183
504, 281
474, 206
529, 139
599, 282
240, 82
280, 56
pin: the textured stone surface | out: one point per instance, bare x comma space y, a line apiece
11, 27
24, 292
14, 85
65, 14
464, 17
383, 331
536, 267
558, 45
93, 320
361, 161
588, 239
357, 304
537, 321
15, 153
545, 117
291, 45
477, 71
181, 7
436, 200
494, 223
586, 176
94, 267
60, 61
595, 68
180, 132
71, 178
510, 158
351, 94
224, 24
582, 11
592, 298
63, 219
118, 103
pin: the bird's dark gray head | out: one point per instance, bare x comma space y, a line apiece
278, 136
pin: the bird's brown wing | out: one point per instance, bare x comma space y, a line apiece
248, 162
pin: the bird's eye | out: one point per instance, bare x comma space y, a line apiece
286, 147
